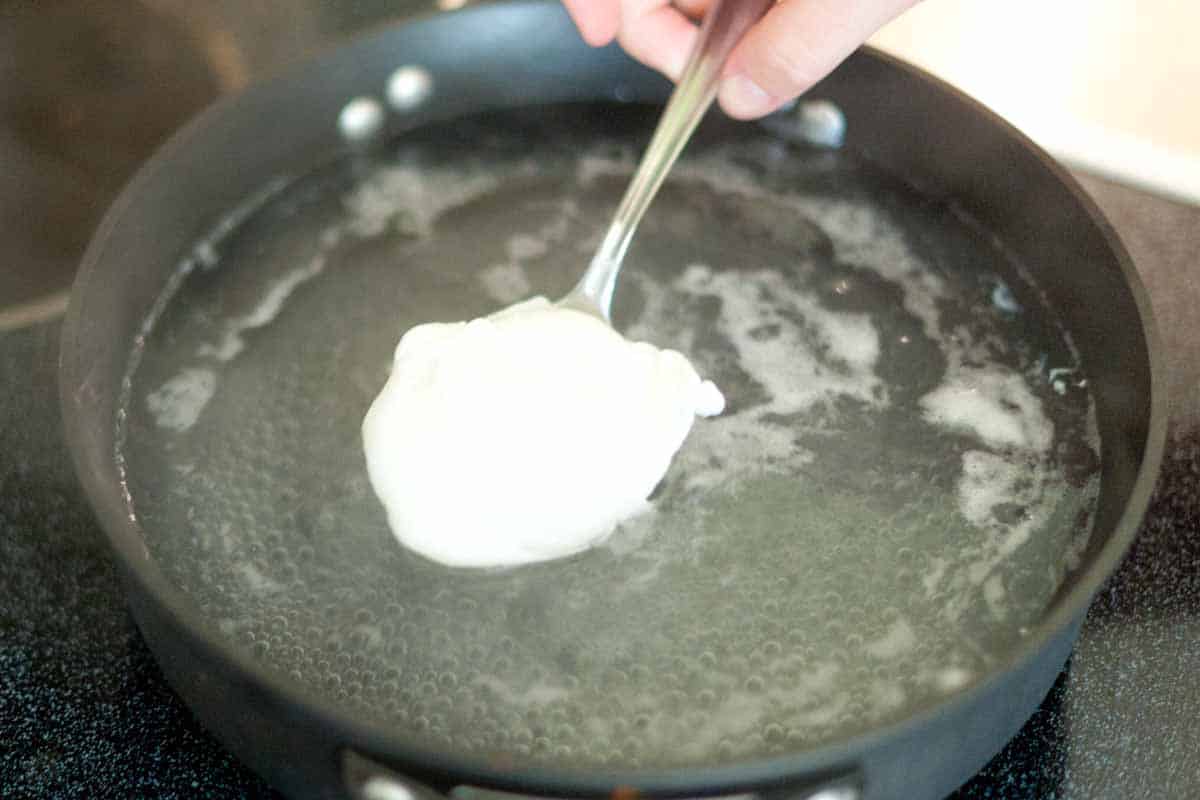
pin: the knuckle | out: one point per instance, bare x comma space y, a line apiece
787, 67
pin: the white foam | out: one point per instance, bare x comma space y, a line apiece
996, 596
991, 480
994, 405
861, 233
178, 403
206, 253
794, 374
988, 481
932, 579
533, 696
1010, 469
255, 580
523, 246
833, 356
851, 338
898, 640
412, 198
951, 678
597, 165
267, 309
506, 283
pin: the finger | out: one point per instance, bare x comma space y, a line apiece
692, 9
597, 20
796, 44
657, 35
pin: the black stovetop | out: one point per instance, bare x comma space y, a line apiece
84, 711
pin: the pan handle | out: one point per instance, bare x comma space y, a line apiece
366, 779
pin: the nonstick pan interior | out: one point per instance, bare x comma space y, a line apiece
986, 207
905, 474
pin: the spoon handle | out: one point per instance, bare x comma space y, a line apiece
724, 25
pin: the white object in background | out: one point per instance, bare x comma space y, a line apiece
1105, 85
1120, 156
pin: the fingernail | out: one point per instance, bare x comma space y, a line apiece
743, 98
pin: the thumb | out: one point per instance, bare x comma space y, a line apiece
796, 44
597, 20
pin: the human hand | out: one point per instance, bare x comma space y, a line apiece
796, 44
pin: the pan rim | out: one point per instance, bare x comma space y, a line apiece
125, 536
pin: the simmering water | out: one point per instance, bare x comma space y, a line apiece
904, 476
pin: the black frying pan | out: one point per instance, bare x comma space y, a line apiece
948, 149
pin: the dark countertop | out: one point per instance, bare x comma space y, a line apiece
84, 711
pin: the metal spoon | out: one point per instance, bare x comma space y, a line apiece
724, 25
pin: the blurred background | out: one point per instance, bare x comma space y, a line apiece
1108, 85
88, 88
